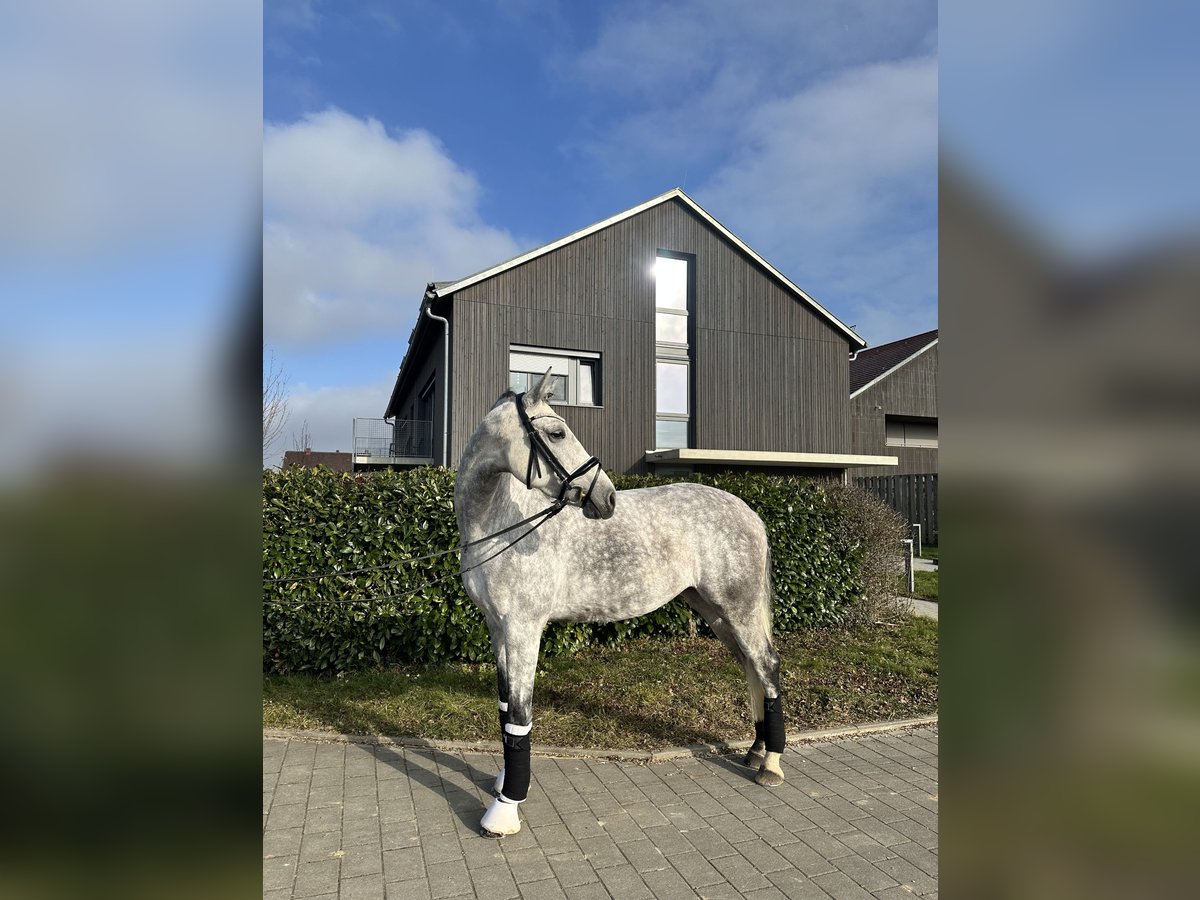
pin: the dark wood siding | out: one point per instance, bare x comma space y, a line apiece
771, 374
910, 390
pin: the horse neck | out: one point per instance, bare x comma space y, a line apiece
487, 498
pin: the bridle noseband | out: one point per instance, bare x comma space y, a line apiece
568, 494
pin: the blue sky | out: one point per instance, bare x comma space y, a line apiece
135, 143
409, 142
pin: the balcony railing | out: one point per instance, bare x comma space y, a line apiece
408, 441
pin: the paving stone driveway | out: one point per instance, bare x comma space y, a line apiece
857, 818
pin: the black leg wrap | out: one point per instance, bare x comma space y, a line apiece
503, 720
773, 725
760, 732
516, 766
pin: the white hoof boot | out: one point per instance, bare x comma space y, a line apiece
500, 819
499, 785
770, 773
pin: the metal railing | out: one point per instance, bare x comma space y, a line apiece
408, 439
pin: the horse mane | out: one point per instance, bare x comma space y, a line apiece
507, 395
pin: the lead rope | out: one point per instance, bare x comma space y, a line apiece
548, 512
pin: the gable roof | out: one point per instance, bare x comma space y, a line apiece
445, 289
869, 366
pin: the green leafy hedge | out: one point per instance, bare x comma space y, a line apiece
834, 553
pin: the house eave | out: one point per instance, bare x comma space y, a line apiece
413, 339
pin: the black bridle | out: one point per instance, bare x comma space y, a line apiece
568, 493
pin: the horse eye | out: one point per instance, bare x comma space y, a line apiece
557, 435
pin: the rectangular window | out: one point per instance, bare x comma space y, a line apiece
671, 282
670, 434
575, 374
672, 383
586, 393
671, 328
911, 433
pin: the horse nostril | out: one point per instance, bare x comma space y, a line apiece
612, 501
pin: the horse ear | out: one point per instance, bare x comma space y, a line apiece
542, 392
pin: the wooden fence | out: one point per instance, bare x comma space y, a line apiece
915, 497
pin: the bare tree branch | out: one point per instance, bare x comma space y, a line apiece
302, 440
275, 404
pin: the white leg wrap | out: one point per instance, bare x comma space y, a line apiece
499, 785
501, 817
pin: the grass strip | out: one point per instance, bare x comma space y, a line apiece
641, 695
925, 585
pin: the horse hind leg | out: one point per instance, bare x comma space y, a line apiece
743, 624
770, 771
756, 755
761, 665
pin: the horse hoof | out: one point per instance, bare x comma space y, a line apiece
492, 835
767, 778
754, 760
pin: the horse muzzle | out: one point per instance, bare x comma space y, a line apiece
601, 503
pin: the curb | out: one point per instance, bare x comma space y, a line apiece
643, 757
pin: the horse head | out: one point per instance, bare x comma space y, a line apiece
540, 450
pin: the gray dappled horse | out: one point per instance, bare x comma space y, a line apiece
603, 565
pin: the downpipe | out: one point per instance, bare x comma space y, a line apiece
430, 296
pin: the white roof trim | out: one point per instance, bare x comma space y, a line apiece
770, 458
883, 375
673, 194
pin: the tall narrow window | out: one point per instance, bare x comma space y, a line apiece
672, 304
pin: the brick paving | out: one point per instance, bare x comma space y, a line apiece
856, 818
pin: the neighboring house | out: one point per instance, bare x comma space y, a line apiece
338, 461
893, 403
675, 348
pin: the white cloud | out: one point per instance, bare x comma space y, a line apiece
662, 50
837, 184
837, 156
291, 14
357, 221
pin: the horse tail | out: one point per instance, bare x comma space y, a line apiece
768, 601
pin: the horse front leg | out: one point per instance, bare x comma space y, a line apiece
521, 653
496, 631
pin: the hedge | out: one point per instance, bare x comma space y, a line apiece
834, 551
